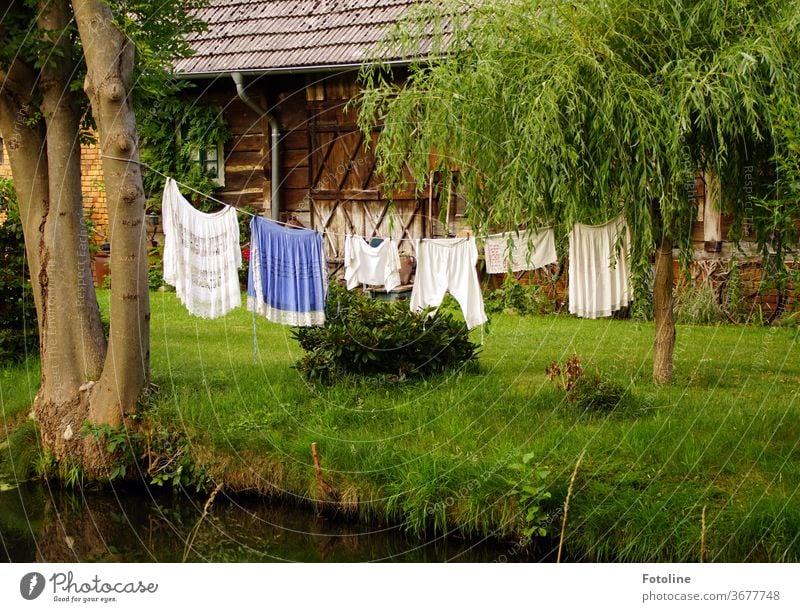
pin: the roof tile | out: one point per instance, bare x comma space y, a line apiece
284, 34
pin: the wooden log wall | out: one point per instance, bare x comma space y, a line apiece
246, 160
327, 176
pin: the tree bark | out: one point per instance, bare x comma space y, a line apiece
663, 314
24, 135
109, 60
38, 111
41, 124
73, 345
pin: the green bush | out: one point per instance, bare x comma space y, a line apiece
512, 297
18, 327
594, 391
368, 337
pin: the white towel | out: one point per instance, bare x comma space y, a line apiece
529, 250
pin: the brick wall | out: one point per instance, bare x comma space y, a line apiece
5, 169
94, 194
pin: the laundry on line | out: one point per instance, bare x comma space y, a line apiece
599, 270
371, 265
287, 281
201, 255
288, 272
518, 251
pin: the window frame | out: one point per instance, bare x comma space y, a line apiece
200, 157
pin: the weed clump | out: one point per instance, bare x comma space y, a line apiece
597, 392
593, 391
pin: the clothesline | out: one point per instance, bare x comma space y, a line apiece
288, 270
213, 199
158, 172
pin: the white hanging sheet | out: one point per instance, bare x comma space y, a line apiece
529, 250
599, 270
201, 255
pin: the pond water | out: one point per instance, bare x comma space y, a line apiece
42, 523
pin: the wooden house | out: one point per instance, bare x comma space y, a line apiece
284, 72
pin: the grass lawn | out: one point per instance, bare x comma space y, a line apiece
721, 447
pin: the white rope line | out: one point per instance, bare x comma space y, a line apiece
213, 199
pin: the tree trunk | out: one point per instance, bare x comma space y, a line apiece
73, 345
663, 314
44, 152
24, 135
109, 79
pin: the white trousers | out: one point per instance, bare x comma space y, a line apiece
448, 264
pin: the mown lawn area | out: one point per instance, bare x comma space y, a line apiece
715, 458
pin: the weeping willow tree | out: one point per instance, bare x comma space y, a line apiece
555, 113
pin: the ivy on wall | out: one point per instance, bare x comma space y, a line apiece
172, 129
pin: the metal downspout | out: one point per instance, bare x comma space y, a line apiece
275, 136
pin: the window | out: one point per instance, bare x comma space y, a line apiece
212, 161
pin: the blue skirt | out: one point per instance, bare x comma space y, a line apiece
287, 280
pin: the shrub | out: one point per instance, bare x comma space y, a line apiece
513, 297
368, 337
529, 486
593, 391
18, 327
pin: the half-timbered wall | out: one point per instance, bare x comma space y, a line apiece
329, 181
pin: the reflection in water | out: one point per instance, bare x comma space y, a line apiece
39, 523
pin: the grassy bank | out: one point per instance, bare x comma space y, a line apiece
722, 443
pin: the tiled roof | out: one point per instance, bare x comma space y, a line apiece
256, 35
